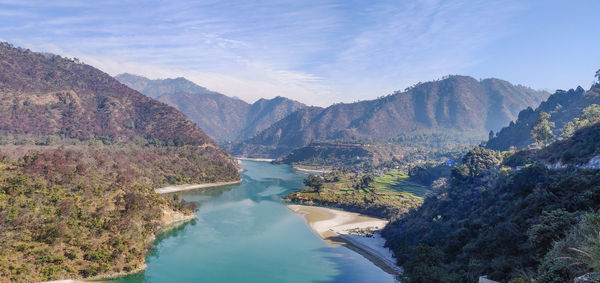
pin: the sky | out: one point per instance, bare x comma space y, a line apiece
316, 51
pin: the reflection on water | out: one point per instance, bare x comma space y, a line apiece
244, 233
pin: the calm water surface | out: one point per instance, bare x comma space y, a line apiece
244, 233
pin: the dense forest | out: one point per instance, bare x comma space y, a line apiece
511, 216
366, 155
72, 213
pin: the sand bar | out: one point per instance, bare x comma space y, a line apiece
255, 159
306, 170
187, 187
339, 227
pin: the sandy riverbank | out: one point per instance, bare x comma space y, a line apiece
187, 187
255, 159
306, 170
340, 227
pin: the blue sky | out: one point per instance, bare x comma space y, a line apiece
316, 51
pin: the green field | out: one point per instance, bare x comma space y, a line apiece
389, 195
397, 181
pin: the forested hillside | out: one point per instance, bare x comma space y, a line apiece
80, 157
77, 213
402, 152
562, 106
456, 103
510, 216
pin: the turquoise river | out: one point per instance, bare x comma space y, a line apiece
244, 233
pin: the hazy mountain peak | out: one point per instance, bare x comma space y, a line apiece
157, 87
223, 118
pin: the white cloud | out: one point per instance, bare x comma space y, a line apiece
318, 52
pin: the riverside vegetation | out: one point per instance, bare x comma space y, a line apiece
404, 151
72, 213
80, 157
386, 196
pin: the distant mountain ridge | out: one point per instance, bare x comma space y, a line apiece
156, 88
458, 103
223, 118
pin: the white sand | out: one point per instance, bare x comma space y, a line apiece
332, 223
187, 187
255, 159
311, 170
65, 281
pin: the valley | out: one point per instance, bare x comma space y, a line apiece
299, 141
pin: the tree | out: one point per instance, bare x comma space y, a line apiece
542, 132
478, 161
314, 181
366, 180
491, 135
597, 76
589, 116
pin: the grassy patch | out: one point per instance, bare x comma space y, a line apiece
388, 196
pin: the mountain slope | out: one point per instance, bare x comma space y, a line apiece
510, 216
562, 106
223, 118
47, 95
454, 103
80, 157
220, 116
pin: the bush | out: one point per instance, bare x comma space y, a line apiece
575, 255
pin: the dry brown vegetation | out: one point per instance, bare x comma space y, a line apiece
81, 155
73, 213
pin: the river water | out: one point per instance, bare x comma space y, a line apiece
244, 233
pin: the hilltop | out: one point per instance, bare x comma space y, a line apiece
456, 103
516, 215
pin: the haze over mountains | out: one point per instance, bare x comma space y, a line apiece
455, 103
223, 118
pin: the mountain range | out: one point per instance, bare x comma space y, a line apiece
223, 118
457, 103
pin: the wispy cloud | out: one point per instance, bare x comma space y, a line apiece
315, 51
